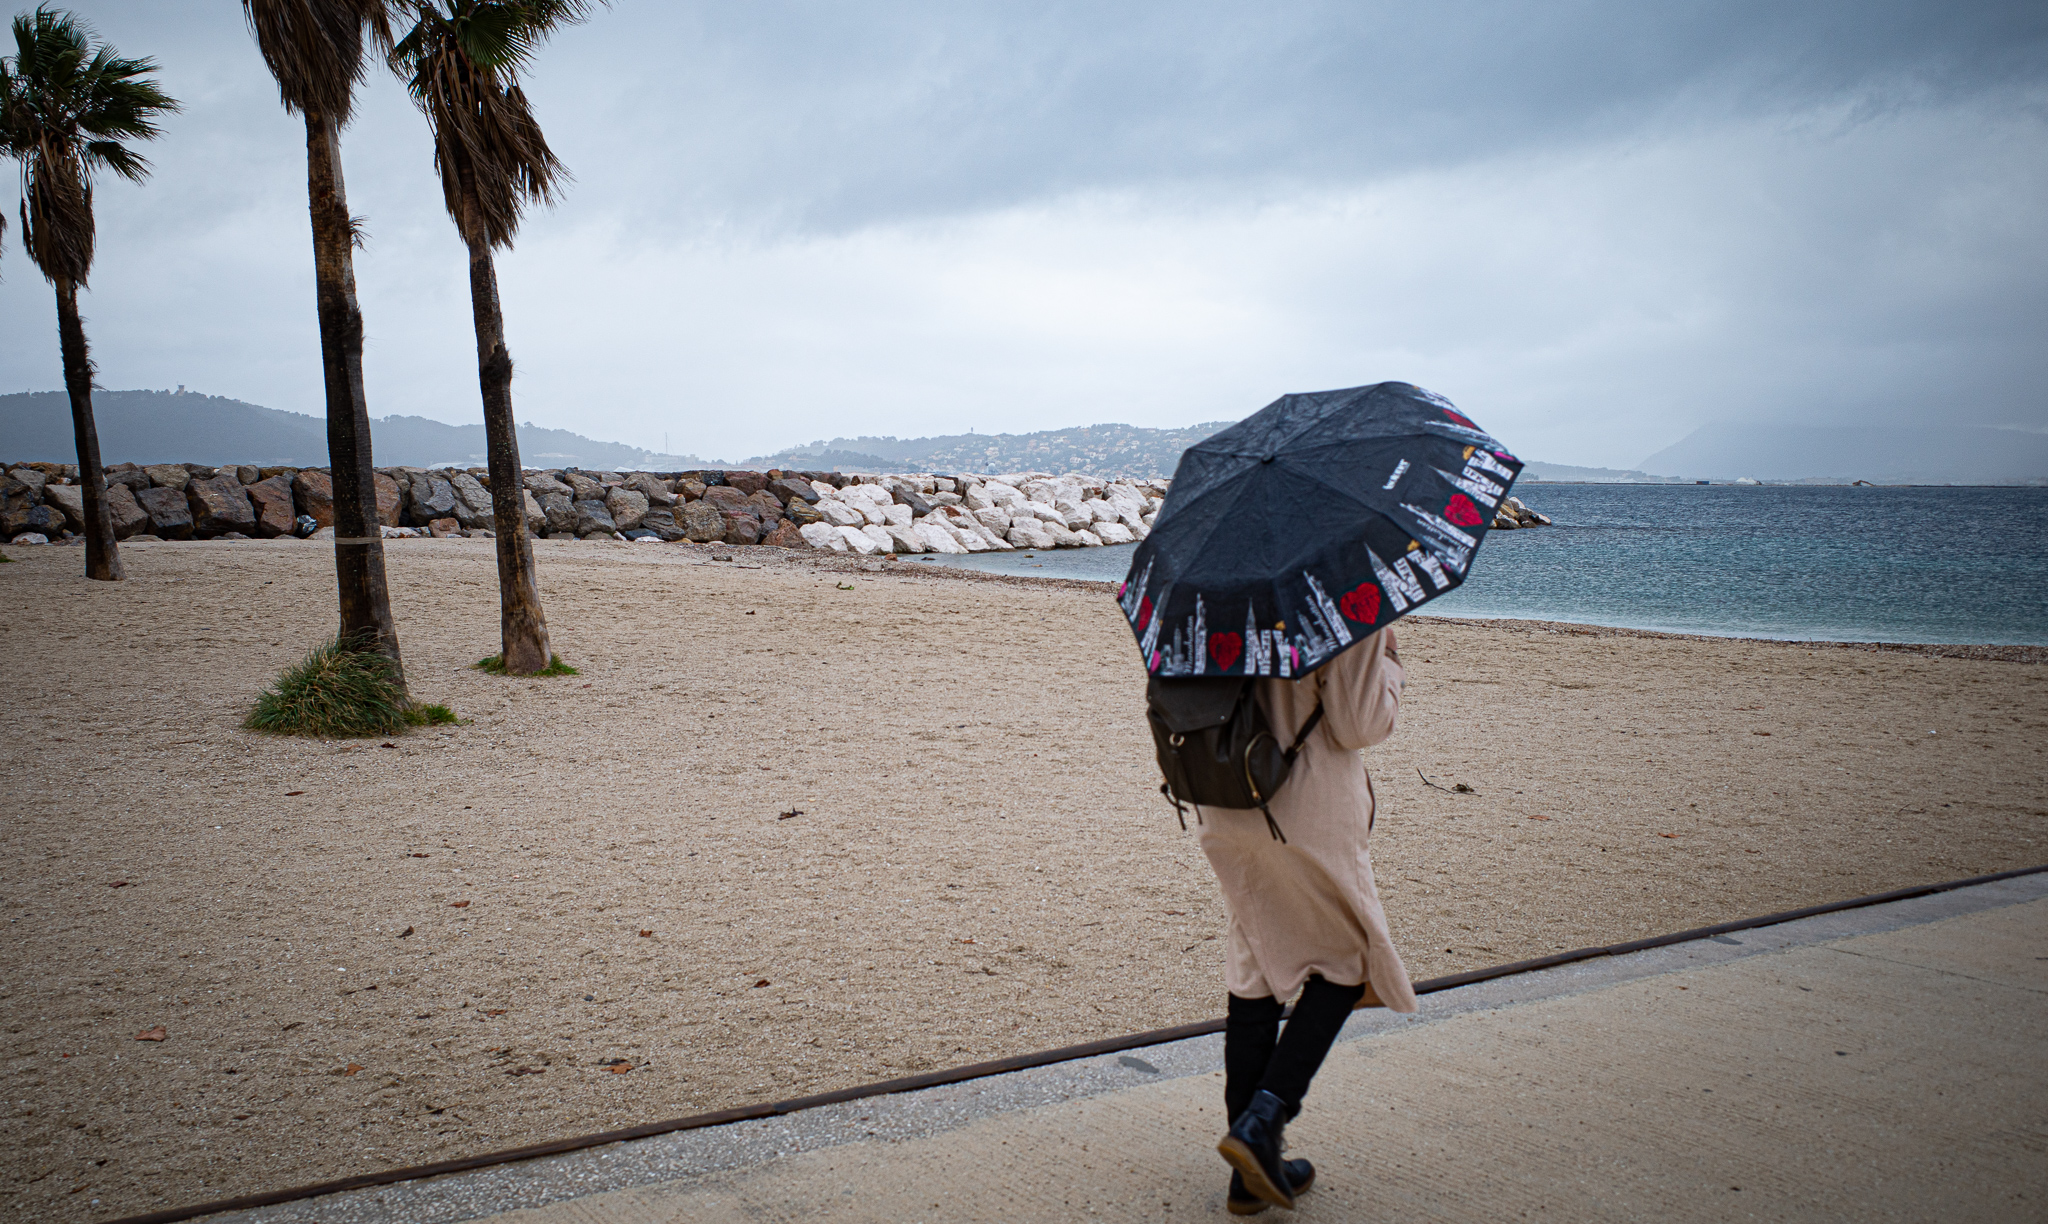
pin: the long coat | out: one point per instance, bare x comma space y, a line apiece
1308, 905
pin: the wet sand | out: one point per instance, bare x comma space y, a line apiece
982, 865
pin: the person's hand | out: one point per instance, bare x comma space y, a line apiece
1392, 652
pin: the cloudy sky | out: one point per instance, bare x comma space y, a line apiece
1593, 225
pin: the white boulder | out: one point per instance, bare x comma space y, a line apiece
1113, 533
894, 515
936, 537
823, 535
859, 541
904, 539
838, 513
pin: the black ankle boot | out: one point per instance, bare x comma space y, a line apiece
1300, 1176
1253, 1148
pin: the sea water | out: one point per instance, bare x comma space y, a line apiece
1807, 562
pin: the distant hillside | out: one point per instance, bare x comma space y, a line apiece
1105, 450
1536, 470
1949, 454
187, 427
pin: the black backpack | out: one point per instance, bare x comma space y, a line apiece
1216, 747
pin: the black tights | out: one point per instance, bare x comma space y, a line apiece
1256, 1054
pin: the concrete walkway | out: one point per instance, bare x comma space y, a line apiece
1883, 1063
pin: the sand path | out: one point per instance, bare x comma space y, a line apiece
982, 865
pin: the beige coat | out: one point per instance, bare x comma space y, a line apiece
1308, 905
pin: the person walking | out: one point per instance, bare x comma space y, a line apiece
1304, 914
1315, 523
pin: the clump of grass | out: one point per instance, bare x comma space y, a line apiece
495, 665
431, 716
334, 692
5, 559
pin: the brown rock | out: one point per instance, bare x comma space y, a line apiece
790, 490
582, 487
390, 501
786, 535
314, 490
266, 473
726, 498
701, 522
246, 474
167, 476
766, 506
219, 505
690, 490
272, 500
169, 517
748, 483
128, 515
741, 528
442, 528
803, 514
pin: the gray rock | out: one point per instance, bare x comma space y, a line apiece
536, 518
627, 506
472, 500
427, 498
68, 500
651, 487
169, 517
560, 512
908, 496
168, 476
702, 522
247, 474
592, 516
582, 487
199, 471
540, 484
134, 478
129, 517
662, 522
30, 477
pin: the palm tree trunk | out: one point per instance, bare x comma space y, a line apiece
102, 554
523, 628
358, 544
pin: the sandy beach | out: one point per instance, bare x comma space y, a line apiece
585, 907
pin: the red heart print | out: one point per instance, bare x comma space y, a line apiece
1361, 605
1224, 648
1462, 512
1460, 419
1144, 613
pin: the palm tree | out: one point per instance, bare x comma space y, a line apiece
66, 105
462, 59
315, 50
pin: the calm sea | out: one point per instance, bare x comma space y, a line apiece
1832, 563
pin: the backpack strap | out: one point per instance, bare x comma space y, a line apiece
1307, 729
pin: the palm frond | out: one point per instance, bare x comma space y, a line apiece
314, 48
67, 103
461, 60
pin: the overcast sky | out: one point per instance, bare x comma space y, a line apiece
1593, 225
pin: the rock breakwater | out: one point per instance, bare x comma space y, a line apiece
837, 511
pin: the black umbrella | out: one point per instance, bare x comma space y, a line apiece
1308, 525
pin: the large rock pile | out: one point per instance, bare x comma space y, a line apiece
830, 510
1511, 514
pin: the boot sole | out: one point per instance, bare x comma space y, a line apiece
1241, 1158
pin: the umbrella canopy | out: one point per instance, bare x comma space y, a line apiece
1308, 525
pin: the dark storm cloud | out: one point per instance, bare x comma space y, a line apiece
1603, 223
840, 115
